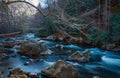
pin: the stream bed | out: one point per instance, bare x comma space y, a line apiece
104, 64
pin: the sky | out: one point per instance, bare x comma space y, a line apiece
38, 2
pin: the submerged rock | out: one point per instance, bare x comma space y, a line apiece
60, 70
3, 56
17, 73
80, 56
27, 63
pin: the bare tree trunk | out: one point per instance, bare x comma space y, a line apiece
10, 34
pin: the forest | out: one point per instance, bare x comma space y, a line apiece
59, 38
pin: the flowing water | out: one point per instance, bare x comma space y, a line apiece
102, 63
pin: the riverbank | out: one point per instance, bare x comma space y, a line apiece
115, 46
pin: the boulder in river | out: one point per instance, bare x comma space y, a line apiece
80, 56
58, 46
60, 70
17, 73
33, 50
47, 52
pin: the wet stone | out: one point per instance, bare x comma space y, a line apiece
58, 46
33, 50
27, 63
17, 73
3, 56
34, 75
80, 56
60, 70
96, 76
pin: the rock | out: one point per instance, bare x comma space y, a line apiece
31, 60
110, 46
96, 76
80, 56
56, 37
35, 75
58, 46
60, 38
47, 52
3, 56
17, 73
103, 47
13, 76
116, 49
1, 74
76, 40
33, 50
18, 76
60, 70
14, 55
52, 37
86, 53
113, 47
27, 63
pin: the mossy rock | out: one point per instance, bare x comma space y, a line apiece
17, 72
32, 49
60, 70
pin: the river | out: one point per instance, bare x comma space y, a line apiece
102, 63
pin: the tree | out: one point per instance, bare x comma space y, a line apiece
17, 14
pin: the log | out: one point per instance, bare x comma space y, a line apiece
10, 34
11, 44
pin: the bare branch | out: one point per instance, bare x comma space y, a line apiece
27, 3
